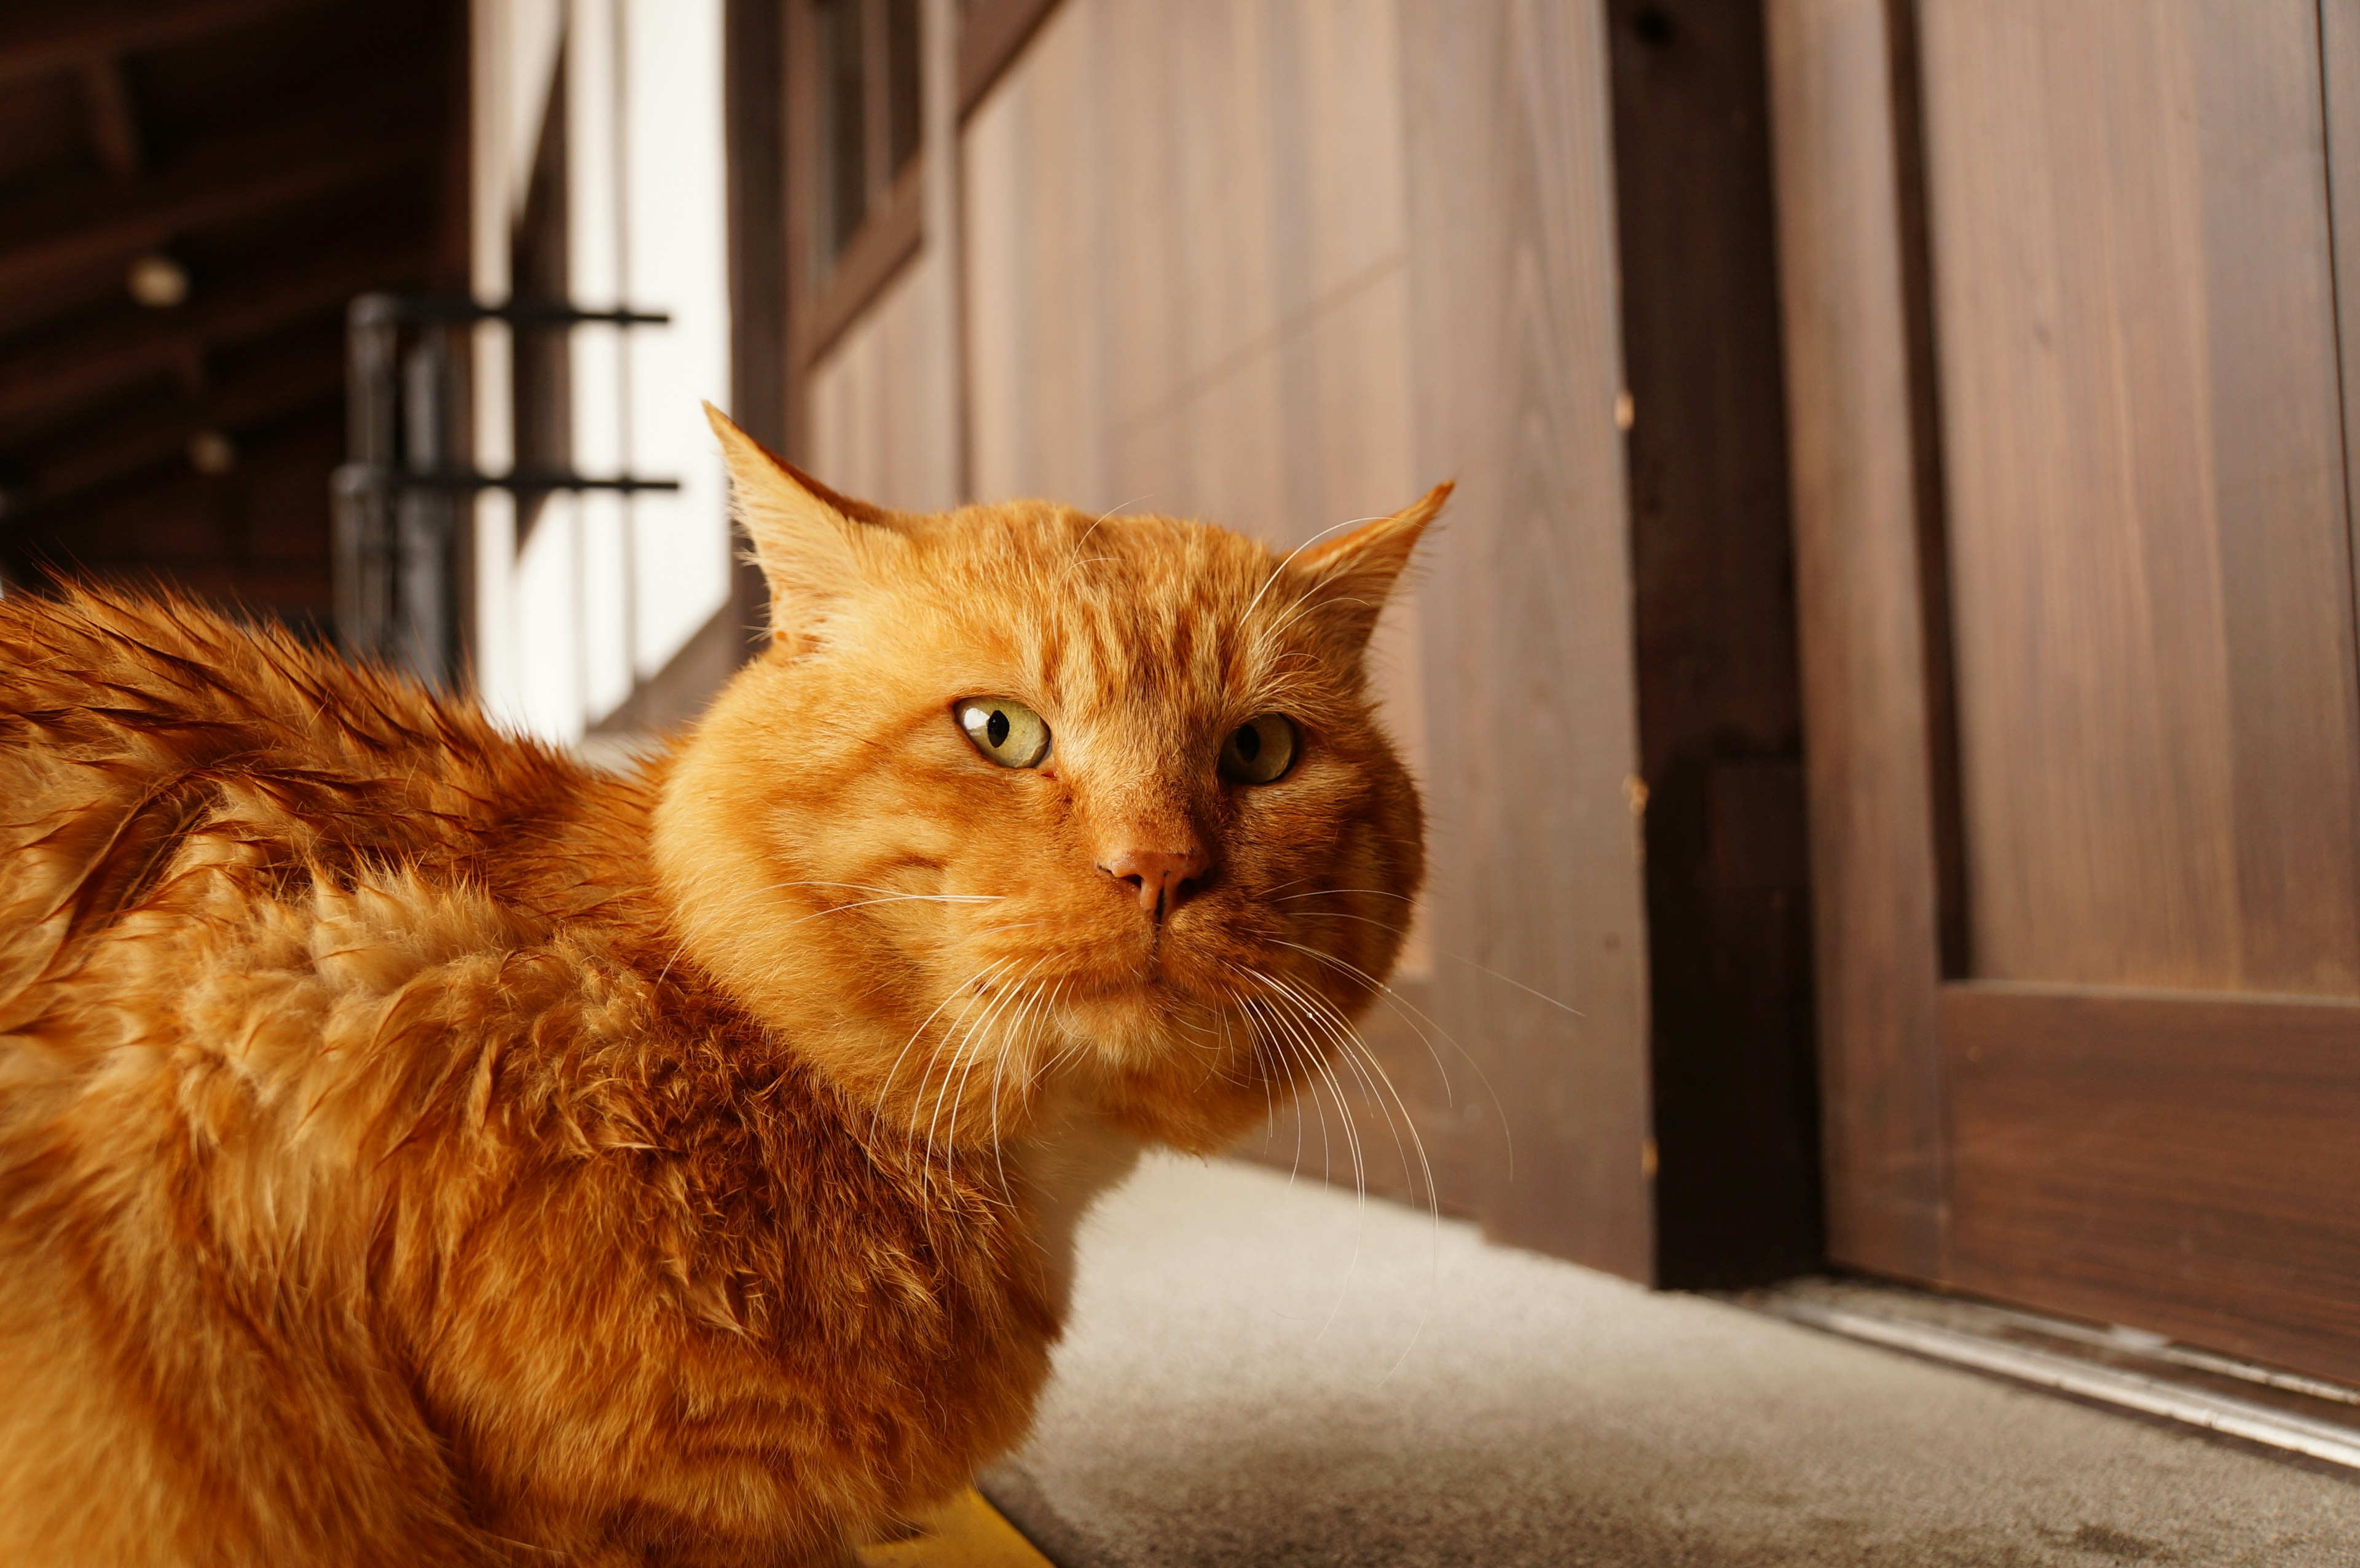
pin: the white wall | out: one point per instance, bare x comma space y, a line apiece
605, 589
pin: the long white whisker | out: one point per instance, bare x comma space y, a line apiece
1398, 1002
1279, 570
1354, 1048
1350, 1040
958, 1101
1360, 1166
961, 988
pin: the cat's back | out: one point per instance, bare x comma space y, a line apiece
131, 725
229, 862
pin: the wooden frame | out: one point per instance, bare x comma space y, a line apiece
885, 243
1733, 1077
1858, 483
765, 373
2176, 1159
992, 35
826, 293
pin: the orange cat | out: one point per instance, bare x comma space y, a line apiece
415, 1149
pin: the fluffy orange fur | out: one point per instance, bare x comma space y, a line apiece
416, 1147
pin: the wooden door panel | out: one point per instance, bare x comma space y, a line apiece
2133, 1092
2185, 1163
2150, 579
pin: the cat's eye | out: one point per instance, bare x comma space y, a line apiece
1259, 749
1009, 733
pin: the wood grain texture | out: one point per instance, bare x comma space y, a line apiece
1516, 367
2339, 46
2184, 1164
1864, 670
874, 431
868, 264
2151, 551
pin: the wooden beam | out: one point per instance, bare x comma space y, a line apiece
285, 385
272, 168
113, 119
871, 259
993, 34
42, 40
105, 359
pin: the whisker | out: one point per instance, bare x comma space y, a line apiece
918, 1100
1348, 1039
1279, 570
958, 1101
960, 988
1360, 1168
1396, 1000
1351, 1038
1445, 953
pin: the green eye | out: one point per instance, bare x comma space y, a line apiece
1009, 733
1259, 750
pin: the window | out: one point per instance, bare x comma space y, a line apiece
867, 81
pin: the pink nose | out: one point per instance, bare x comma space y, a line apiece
1159, 875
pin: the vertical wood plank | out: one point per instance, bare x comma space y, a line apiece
2339, 50
1516, 367
2159, 727
1858, 592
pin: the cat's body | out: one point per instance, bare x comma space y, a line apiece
416, 1148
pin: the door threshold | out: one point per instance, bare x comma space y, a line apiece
2126, 1369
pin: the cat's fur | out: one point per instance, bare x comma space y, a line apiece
417, 1148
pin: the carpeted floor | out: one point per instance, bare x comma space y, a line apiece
1265, 1374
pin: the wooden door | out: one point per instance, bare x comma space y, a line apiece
2066, 375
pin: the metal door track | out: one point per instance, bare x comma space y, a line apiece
2123, 1368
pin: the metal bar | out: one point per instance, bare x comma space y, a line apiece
2089, 1381
373, 478
388, 308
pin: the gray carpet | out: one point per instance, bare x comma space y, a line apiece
1260, 1374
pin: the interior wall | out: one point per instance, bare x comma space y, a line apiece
866, 398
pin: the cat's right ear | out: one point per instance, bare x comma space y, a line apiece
812, 543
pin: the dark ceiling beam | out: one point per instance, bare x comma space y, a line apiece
88, 366
113, 119
42, 39
101, 227
262, 396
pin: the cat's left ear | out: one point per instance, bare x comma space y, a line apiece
1352, 573
812, 543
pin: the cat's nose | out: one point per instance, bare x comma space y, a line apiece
1160, 876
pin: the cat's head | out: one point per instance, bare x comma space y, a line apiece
1022, 802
